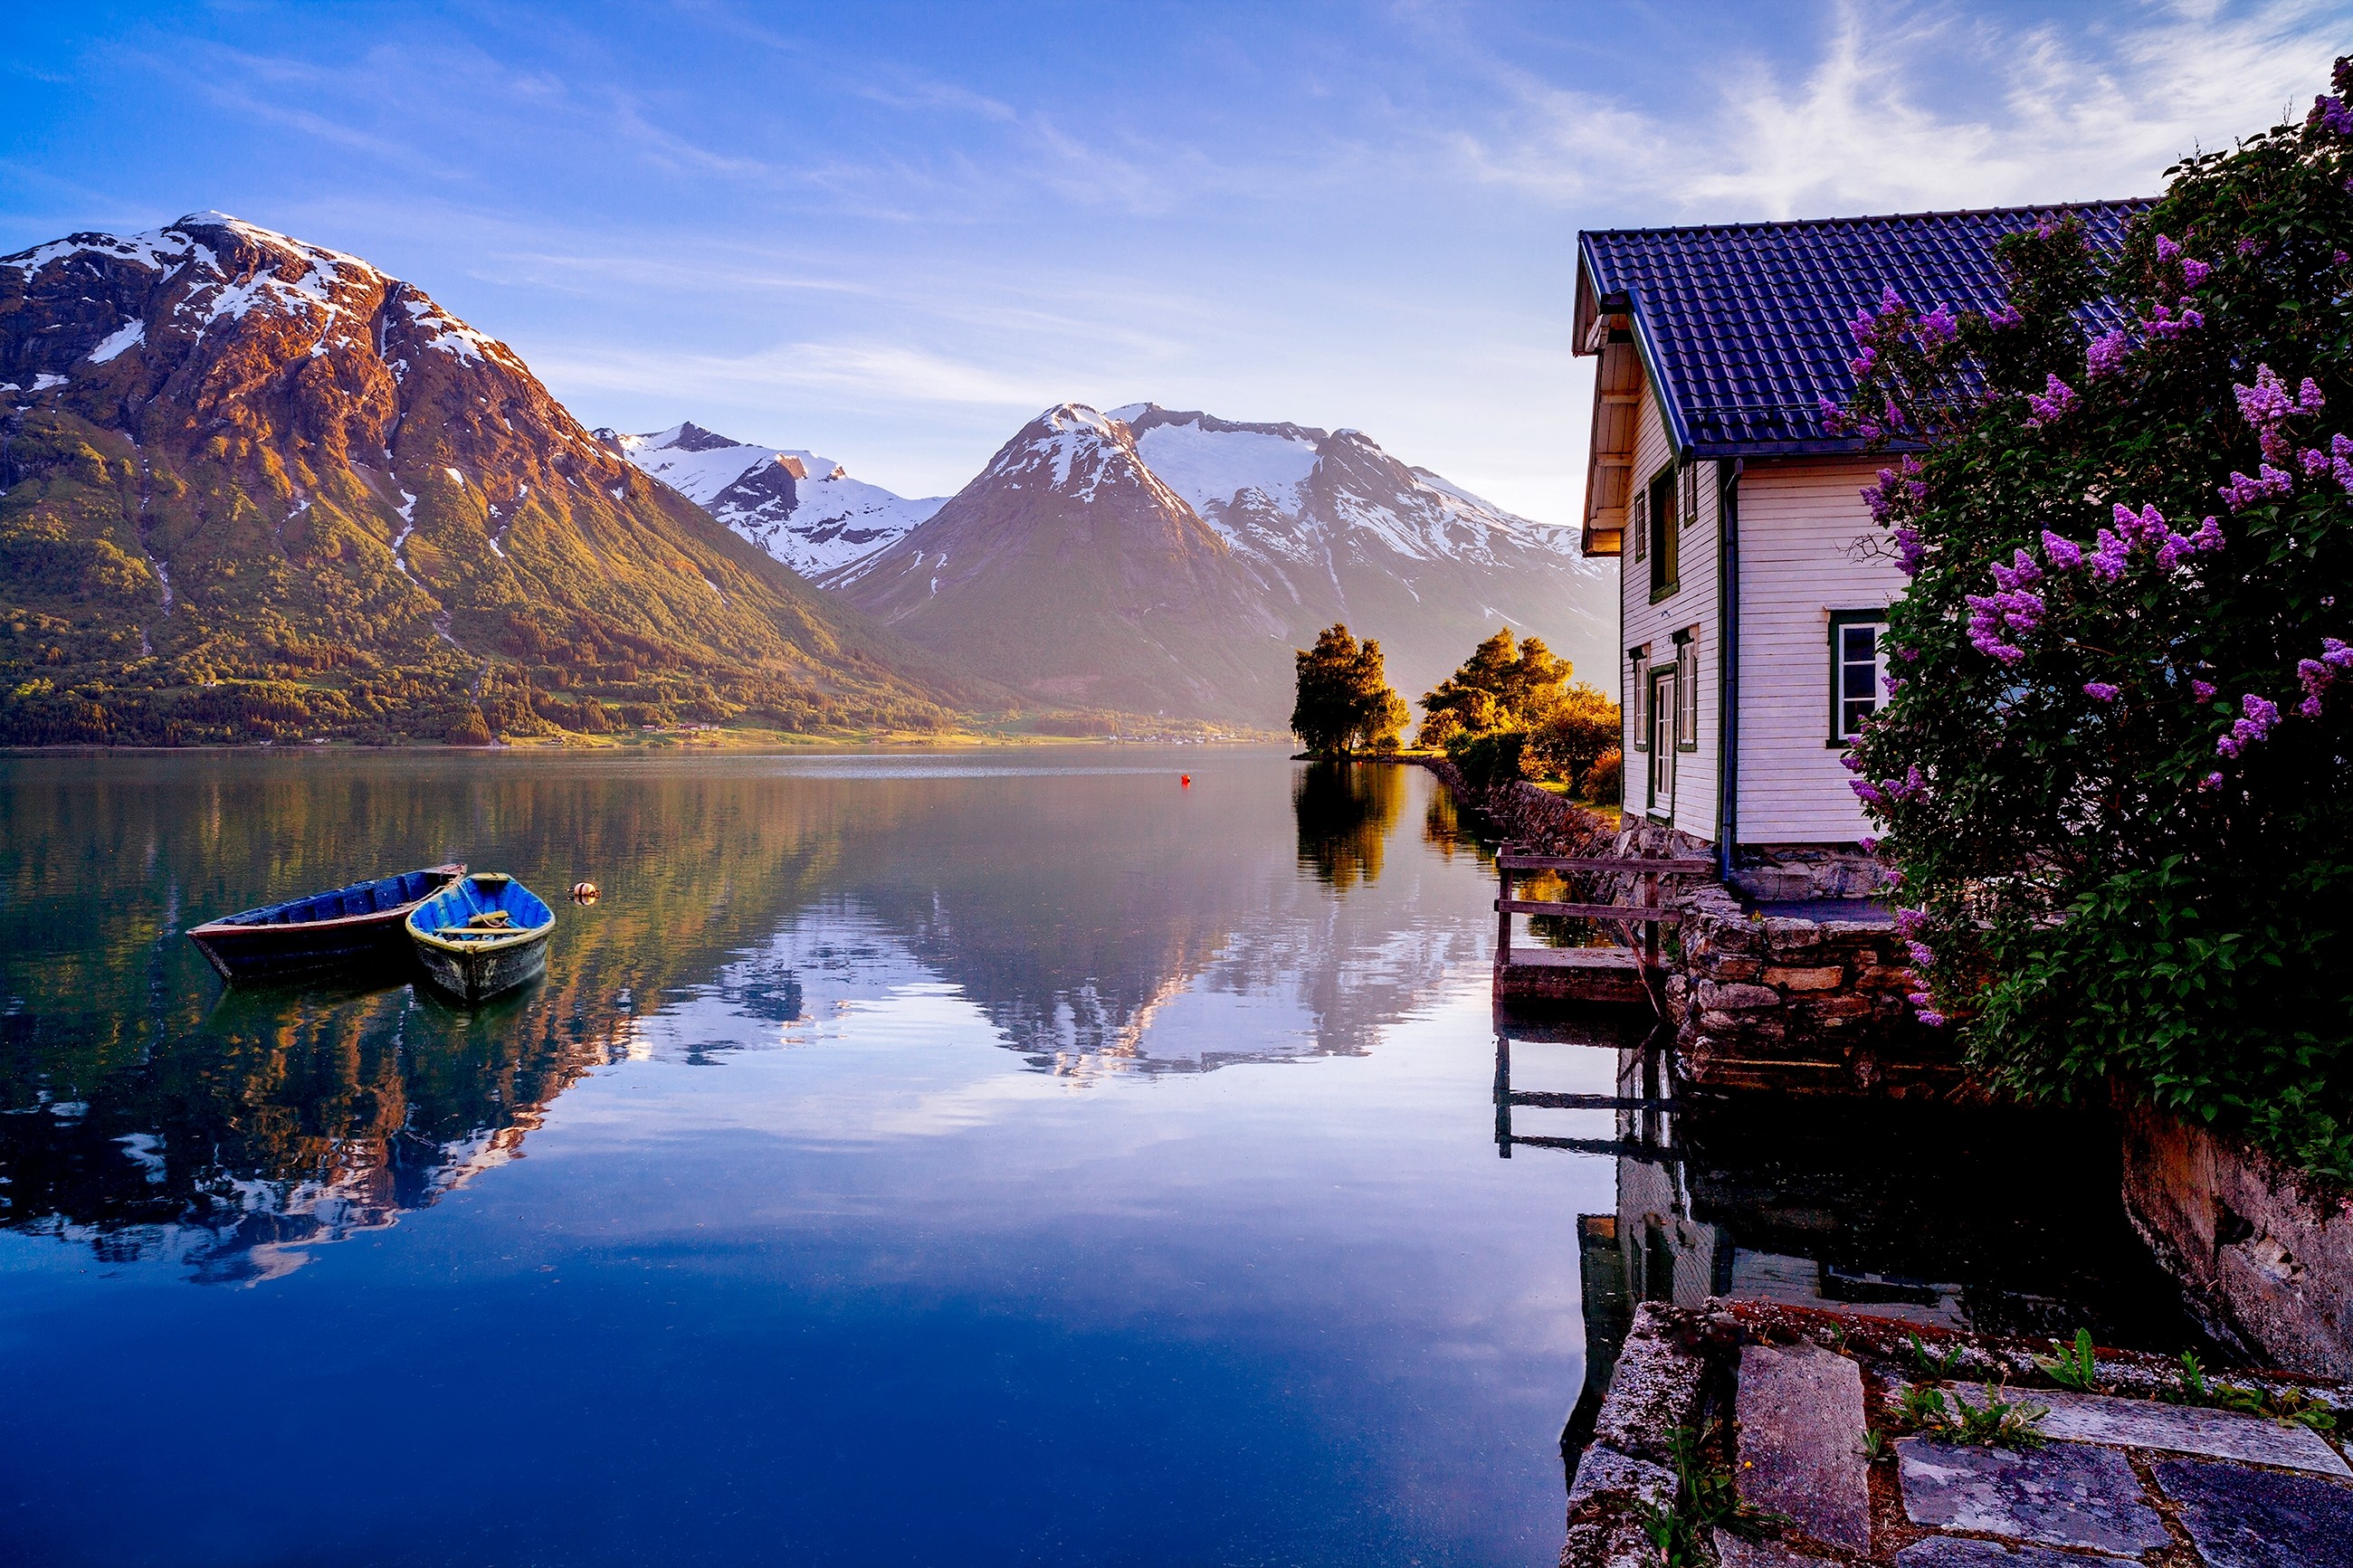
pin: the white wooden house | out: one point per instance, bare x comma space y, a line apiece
1753, 584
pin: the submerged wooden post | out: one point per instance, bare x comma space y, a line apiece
1503, 1095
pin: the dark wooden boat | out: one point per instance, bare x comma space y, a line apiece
324, 932
481, 935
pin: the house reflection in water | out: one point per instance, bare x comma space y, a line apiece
1998, 1220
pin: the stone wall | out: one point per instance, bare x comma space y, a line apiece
1764, 1002
2264, 1253
1773, 1002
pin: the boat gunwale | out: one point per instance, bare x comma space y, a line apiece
497, 942
232, 925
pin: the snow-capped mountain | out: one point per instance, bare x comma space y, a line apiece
804, 510
1154, 559
255, 488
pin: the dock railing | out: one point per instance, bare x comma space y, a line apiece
1654, 884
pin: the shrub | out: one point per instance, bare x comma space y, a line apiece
2112, 763
1604, 783
1486, 761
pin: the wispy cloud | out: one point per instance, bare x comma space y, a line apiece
1872, 122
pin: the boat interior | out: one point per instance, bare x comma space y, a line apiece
382, 896
472, 908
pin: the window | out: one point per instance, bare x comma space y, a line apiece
1665, 526
1663, 707
1687, 690
1638, 524
1858, 670
1639, 708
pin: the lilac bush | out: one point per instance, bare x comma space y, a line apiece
2114, 764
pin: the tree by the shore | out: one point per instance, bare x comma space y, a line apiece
1345, 702
1518, 686
2113, 761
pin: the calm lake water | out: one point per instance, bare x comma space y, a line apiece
912, 1159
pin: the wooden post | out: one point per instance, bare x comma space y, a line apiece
1503, 915
1651, 928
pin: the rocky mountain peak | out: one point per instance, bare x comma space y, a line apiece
227, 455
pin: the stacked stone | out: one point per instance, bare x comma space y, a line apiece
1774, 1002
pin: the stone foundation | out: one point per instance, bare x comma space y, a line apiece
1787, 873
2264, 1254
1773, 1002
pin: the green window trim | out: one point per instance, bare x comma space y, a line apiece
1638, 658
1840, 734
1687, 690
1666, 526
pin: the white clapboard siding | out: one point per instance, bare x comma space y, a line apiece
1803, 527
1693, 604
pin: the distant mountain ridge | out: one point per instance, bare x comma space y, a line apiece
254, 488
1170, 560
804, 510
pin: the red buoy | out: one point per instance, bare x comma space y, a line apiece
1185, 781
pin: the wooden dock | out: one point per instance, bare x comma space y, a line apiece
1626, 975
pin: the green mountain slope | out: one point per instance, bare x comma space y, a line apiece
253, 489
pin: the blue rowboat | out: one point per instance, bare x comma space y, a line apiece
481, 935
347, 928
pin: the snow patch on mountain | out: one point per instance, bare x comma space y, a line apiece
804, 510
1212, 469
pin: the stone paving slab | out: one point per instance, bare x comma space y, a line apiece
1732, 1551
2065, 1495
2181, 1429
1799, 1450
2240, 1518
1951, 1552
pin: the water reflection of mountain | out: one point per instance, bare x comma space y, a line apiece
1101, 921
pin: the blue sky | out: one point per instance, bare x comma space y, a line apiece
890, 233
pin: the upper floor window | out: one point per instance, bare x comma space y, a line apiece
1858, 670
1665, 529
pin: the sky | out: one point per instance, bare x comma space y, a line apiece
891, 233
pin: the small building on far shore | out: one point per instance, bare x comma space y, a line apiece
1753, 584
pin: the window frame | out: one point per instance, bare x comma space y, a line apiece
1662, 759
1666, 530
1638, 521
1840, 621
1640, 658
1687, 690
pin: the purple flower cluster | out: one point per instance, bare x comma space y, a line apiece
2260, 717
2106, 354
2145, 529
1911, 923
2065, 554
2266, 405
1902, 484
2194, 271
2017, 607
1887, 791
2250, 247
1938, 326
2203, 691
2164, 323
2004, 318
2243, 493
2336, 462
2056, 399
2101, 691
2331, 115
2317, 675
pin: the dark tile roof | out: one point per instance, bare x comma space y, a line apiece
1742, 326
